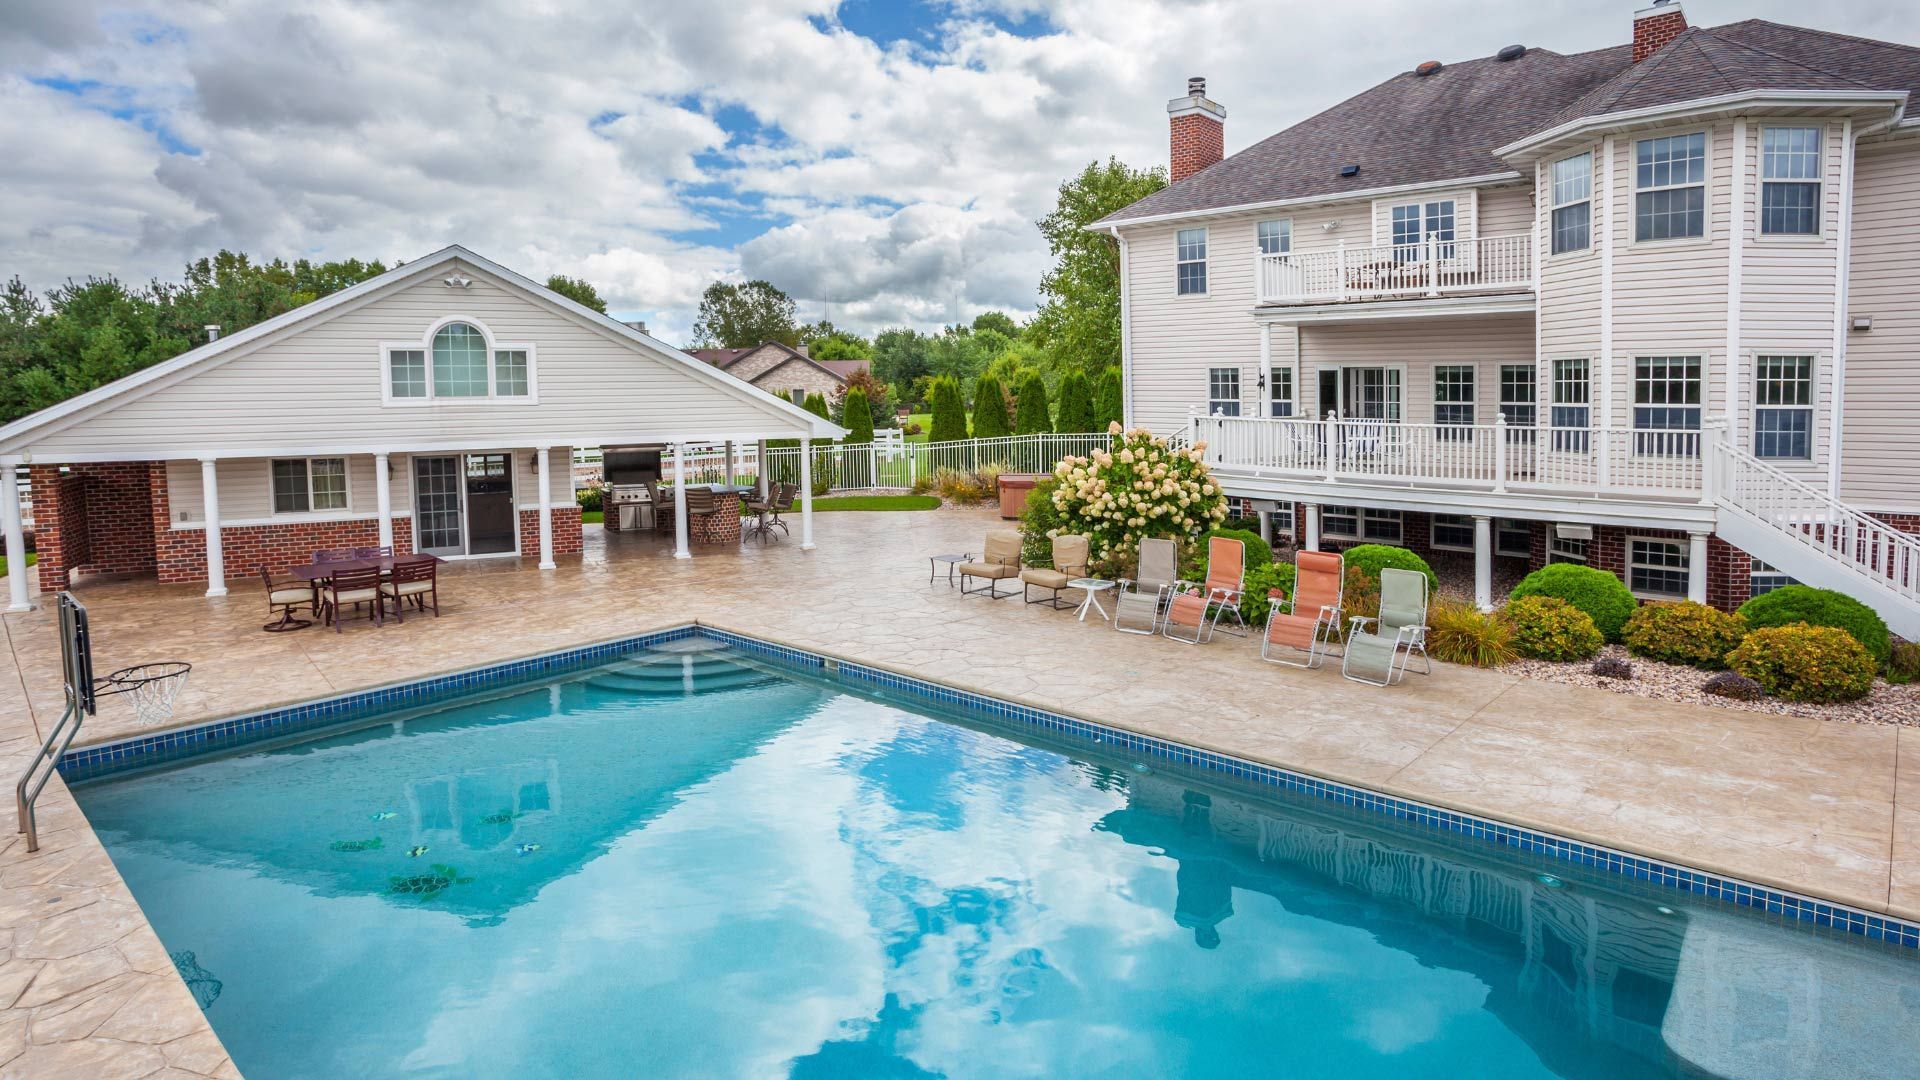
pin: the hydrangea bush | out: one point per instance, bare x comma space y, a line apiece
1139, 488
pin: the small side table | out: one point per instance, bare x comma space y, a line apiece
1094, 587
952, 561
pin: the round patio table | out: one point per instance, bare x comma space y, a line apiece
1094, 587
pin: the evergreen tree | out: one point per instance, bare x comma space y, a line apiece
859, 420
949, 421
1033, 418
1108, 402
1076, 404
990, 420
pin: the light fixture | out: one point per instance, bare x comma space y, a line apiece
458, 280
1862, 323
1331, 226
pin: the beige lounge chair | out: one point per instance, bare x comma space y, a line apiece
1381, 656
1069, 562
1312, 617
1142, 599
1197, 608
1000, 561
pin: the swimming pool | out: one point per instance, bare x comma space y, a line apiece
700, 860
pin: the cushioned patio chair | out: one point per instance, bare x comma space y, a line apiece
417, 580
1000, 561
360, 585
384, 551
284, 598
1069, 562
1196, 608
1311, 619
1380, 656
1142, 599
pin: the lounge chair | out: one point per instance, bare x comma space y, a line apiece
1196, 608
1000, 561
1381, 656
1312, 616
1069, 562
1143, 597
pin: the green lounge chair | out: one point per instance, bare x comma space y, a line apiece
1380, 656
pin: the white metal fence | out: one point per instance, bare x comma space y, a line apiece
880, 465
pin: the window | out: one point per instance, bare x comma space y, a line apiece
1656, 567
1572, 395
1453, 397
1790, 181
1452, 532
1783, 407
1415, 223
408, 371
510, 372
459, 362
304, 484
1762, 578
1566, 548
1276, 237
1223, 391
1355, 523
1190, 265
1511, 537
1518, 391
1573, 203
1670, 187
1280, 391
1666, 398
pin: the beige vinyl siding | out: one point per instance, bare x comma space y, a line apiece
1569, 282
1881, 436
1504, 211
321, 386
1418, 345
246, 488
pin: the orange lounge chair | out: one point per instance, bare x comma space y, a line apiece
1312, 616
1197, 609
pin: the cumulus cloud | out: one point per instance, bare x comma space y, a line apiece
657, 147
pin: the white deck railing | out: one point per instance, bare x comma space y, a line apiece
883, 464
1820, 525
1480, 457
1371, 272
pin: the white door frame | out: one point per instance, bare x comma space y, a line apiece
1340, 383
460, 466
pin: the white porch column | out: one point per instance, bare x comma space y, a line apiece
806, 494
680, 502
731, 470
1483, 562
210, 500
1313, 527
542, 457
383, 498
16, 535
760, 468
1697, 567
1266, 526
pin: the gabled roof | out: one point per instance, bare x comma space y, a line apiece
846, 369
1451, 125
719, 358
726, 358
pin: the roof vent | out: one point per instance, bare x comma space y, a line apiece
1197, 86
1349, 170
1511, 52
1427, 68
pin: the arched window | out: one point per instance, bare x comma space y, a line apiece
455, 360
459, 362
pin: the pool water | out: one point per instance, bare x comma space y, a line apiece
691, 863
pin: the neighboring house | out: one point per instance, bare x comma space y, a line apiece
783, 370
433, 408
1648, 307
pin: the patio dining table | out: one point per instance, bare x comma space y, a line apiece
325, 570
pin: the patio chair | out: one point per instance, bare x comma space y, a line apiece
1000, 561
1381, 656
702, 503
382, 552
412, 579
287, 597
1197, 607
360, 585
766, 512
1069, 562
1143, 597
1312, 616
334, 555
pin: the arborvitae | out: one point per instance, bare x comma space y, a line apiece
949, 422
1076, 405
1108, 406
990, 420
1033, 418
859, 418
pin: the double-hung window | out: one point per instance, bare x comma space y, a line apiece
1670, 187
1572, 398
1762, 578
1566, 548
1452, 532
1223, 391
1358, 523
1416, 223
1666, 399
1573, 203
1656, 568
1190, 262
1519, 394
1280, 391
1453, 397
1512, 537
1275, 237
1783, 407
301, 485
459, 362
1790, 181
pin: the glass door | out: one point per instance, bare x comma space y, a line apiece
1370, 393
492, 526
436, 505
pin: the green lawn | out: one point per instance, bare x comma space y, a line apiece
34, 557
877, 502
925, 420
592, 517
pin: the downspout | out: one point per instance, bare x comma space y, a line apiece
1126, 334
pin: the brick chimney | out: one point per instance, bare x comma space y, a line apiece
1655, 26
1197, 131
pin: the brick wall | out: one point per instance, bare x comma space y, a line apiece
1909, 523
245, 548
1196, 141
93, 518
566, 532
1651, 33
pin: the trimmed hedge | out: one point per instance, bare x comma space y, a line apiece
1549, 628
1605, 598
1684, 633
1370, 559
1806, 663
1821, 607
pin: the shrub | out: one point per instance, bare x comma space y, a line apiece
1683, 633
913, 428
1359, 597
1903, 663
1549, 628
1139, 488
1261, 580
859, 419
1194, 556
1805, 663
1040, 522
990, 420
1820, 607
959, 487
1611, 666
1729, 685
1076, 404
925, 483
1370, 559
1463, 634
1033, 417
1108, 401
949, 419
1604, 598
590, 498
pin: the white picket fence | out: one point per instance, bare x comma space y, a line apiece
887, 464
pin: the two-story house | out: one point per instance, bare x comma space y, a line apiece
1648, 308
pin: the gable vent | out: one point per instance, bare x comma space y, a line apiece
1511, 52
1427, 68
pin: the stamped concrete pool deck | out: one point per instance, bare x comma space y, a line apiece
1827, 809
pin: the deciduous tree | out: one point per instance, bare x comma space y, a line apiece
740, 316
1080, 318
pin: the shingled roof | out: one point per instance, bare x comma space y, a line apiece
1415, 129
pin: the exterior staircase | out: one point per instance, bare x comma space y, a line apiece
1807, 534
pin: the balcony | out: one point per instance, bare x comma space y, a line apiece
1431, 269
